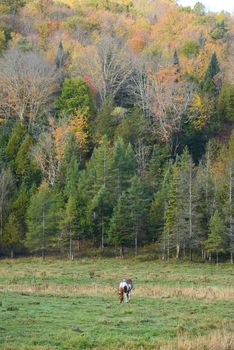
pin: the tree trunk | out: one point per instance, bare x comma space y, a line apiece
70, 246
43, 235
136, 242
102, 239
168, 248
12, 254
121, 251
217, 258
78, 242
177, 251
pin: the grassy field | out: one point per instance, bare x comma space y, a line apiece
63, 305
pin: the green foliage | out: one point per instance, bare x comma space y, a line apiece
2, 41
105, 121
217, 227
139, 209
43, 216
225, 103
208, 85
219, 31
123, 165
75, 95
120, 231
11, 6
15, 140
199, 9
11, 233
25, 166
133, 128
190, 48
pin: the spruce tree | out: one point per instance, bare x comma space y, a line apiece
138, 210
214, 242
208, 85
120, 230
43, 218
170, 215
11, 234
68, 223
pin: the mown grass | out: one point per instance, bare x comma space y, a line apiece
57, 304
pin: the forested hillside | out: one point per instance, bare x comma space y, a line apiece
116, 121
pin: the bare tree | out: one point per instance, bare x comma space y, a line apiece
141, 87
6, 186
27, 83
172, 98
45, 156
108, 65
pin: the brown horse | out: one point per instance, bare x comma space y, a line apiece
125, 288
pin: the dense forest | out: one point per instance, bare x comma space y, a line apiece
116, 121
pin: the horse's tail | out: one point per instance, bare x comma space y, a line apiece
121, 294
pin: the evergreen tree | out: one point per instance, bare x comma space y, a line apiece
25, 166
225, 103
158, 204
11, 234
214, 242
186, 201
15, 140
105, 120
61, 56
43, 217
123, 165
170, 215
68, 223
75, 95
100, 212
199, 9
208, 85
120, 230
139, 208
219, 30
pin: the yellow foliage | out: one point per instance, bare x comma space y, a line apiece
76, 125
198, 113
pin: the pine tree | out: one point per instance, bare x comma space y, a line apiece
170, 214
43, 218
158, 204
25, 166
15, 140
100, 211
105, 121
225, 103
61, 56
214, 243
138, 209
123, 165
11, 234
120, 230
68, 223
208, 85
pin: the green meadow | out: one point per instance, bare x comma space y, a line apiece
68, 305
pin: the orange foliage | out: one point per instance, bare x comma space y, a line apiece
76, 125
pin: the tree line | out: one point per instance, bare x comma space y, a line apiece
111, 139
